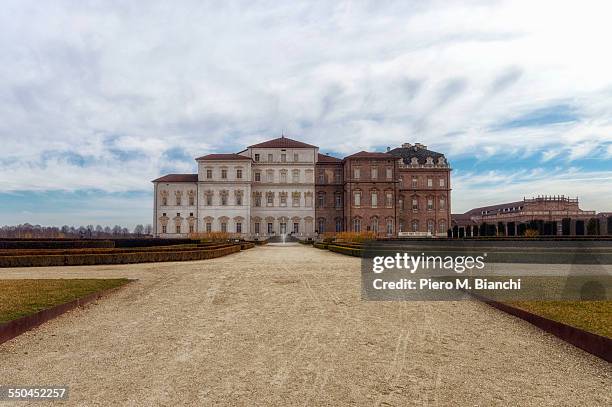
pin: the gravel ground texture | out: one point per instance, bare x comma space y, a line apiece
286, 326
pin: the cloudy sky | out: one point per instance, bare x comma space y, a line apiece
97, 98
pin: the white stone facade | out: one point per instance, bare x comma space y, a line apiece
266, 190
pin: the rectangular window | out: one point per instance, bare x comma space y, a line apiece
238, 174
321, 177
296, 176
338, 225
357, 173
374, 199
191, 201
283, 176
296, 228
441, 182
429, 182
178, 228
190, 228
295, 199
238, 227
270, 157
389, 173
208, 200
415, 204
270, 176
357, 198
357, 225
164, 201
163, 228
374, 172
257, 177
223, 174
178, 200
257, 228
270, 228
257, 199
308, 200
337, 176
442, 203
283, 158
270, 199
239, 200
283, 200
389, 226
223, 199
256, 157
208, 174
321, 201
296, 157
415, 182
223, 226
430, 204
389, 199
338, 201
208, 227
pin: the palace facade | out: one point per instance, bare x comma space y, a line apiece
548, 215
283, 186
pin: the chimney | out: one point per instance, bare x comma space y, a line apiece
406, 145
419, 145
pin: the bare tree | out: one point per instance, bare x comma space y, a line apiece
139, 230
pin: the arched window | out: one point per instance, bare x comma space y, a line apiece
442, 226
357, 225
415, 225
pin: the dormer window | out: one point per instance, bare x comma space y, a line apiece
441, 161
429, 161
414, 161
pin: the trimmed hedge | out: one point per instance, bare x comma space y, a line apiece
55, 244
246, 245
349, 251
116, 258
321, 245
41, 252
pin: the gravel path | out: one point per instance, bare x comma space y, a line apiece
286, 326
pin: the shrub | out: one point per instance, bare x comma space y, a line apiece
355, 237
214, 236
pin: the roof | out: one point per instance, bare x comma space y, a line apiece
369, 154
177, 178
494, 208
282, 142
325, 159
421, 153
217, 157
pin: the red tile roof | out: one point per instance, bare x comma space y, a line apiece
282, 142
217, 157
369, 154
323, 158
177, 178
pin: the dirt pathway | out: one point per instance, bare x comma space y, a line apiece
286, 326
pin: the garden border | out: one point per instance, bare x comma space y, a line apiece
16, 327
594, 344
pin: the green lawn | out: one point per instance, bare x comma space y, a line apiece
19, 298
592, 316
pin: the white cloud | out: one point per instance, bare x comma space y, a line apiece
99, 79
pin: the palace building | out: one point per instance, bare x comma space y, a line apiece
548, 215
283, 186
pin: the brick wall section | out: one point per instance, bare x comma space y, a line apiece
329, 183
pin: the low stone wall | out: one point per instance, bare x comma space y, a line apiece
55, 244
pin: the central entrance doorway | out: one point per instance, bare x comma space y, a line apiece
283, 228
